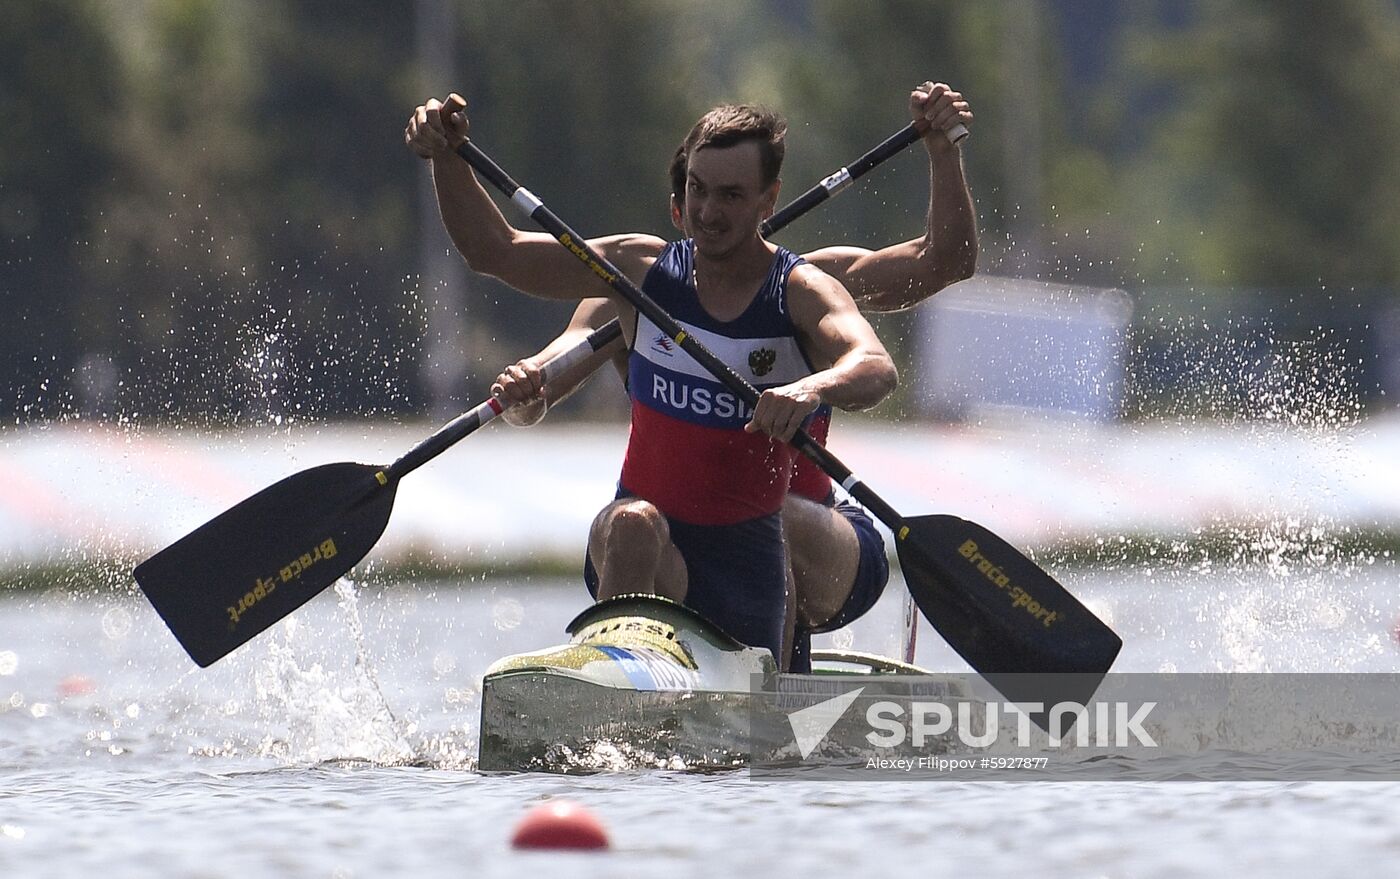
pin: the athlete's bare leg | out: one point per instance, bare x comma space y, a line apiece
825, 554
789, 620
630, 544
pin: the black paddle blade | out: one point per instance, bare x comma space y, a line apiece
1000, 611
240, 572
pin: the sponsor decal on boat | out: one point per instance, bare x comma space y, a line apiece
639, 632
649, 669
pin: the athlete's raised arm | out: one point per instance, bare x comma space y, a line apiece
532, 262
907, 273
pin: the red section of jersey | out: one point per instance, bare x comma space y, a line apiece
809, 480
704, 475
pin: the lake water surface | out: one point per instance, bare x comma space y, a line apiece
342, 743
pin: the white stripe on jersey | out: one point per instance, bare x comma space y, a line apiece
767, 361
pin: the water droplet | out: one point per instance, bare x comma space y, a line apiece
507, 614
444, 663
116, 623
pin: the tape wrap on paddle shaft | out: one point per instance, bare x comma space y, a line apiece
838, 181
526, 201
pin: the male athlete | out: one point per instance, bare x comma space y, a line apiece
837, 555
704, 477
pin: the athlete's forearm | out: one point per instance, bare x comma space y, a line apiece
528, 412
561, 385
476, 226
902, 275
947, 252
858, 380
951, 229
588, 317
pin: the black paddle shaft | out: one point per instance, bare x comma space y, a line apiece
891, 146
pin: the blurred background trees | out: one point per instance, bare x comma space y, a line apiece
207, 213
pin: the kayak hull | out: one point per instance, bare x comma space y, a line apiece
646, 683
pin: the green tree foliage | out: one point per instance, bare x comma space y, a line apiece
56, 92
253, 223
206, 209
1250, 143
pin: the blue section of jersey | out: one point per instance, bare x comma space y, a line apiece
700, 401
671, 283
658, 376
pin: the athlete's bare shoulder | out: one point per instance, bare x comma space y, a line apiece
808, 279
633, 252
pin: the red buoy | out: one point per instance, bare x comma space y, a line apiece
560, 824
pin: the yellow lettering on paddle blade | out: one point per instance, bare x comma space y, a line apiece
262, 588
1020, 598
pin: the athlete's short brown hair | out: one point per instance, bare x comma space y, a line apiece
731, 124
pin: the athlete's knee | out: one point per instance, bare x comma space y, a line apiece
631, 549
637, 521
822, 547
805, 533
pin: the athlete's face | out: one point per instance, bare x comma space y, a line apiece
725, 199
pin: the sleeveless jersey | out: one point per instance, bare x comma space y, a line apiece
688, 453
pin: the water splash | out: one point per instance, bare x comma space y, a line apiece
322, 715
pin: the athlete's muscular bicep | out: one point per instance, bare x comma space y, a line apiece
536, 263
829, 324
889, 279
854, 369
